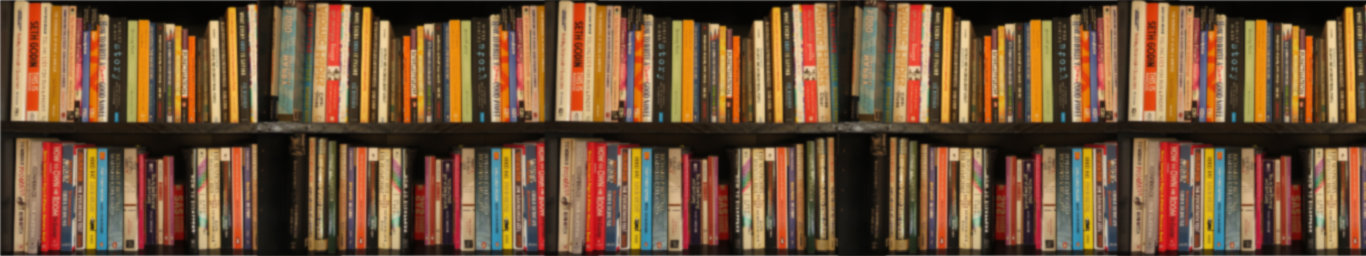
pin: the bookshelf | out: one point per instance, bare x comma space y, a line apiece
854, 138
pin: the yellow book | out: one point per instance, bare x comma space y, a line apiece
1348, 38
143, 69
540, 69
232, 66
1036, 71
777, 54
1296, 77
179, 73
688, 52
507, 198
597, 111
365, 48
1088, 203
1173, 61
1208, 185
724, 67
634, 167
54, 82
997, 74
946, 85
453, 100
1260, 77
91, 198
419, 43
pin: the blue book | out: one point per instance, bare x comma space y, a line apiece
1078, 205
496, 193
792, 196
101, 200
248, 157
630, 81
1219, 180
867, 53
512, 112
1027, 196
1201, 54
1111, 197
661, 198
1064, 211
698, 84
1233, 200
482, 199
1095, 80
1183, 243
350, 189
1024, 44
533, 243
288, 41
932, 219
613, 214
68, 194
83, 104
646, 201
152, 79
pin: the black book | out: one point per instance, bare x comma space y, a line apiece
224, 87
1308, 220
662, 79
886, 41
481, 190
447, 211
987, 217
407, 208
481, 69
936, 28
116, 194
152, 78
704, 67
695, 188
975, 89
1282, 49
375, 56
1062, 70
789, 78
430, 76
1360, 66
746, 83
767, 72
953, 71
299, 213
1234, 64
1269, 195
201, 92
191, 198
698, 82
736, 203
396, 81
372, 187
440, 66
882, 209
352, 101
244, 96
118, 84
1320, 74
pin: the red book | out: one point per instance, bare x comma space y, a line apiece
420, 221
361, 161
35, 22
407, 82
913, 57
638, 69
576, 63
687, 196
1354, 198
236, 198
591, 203
599, 196
1172, 191
52, 210
142, 193
179, 211
942, 231
780, 210
999, 233
1296, 227
1149, 64
723, 196
540, 194
333, 60
1038, 201
1261, 239
192, 102
716, 220
432, 218
808, 69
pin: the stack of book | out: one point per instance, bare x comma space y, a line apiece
1334, 210
76, 197
356, 197
785, 198
935, 198
224, 205
73, 64
1061, 199
1191, 197
919, 63
621, 197
484, 199
624, 65
1192, 64
340, 64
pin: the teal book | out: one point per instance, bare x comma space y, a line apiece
661, 198
1078, 221
481, 202
496, 195
116, 196
289, 57
1232, 199
868, 71
646, 201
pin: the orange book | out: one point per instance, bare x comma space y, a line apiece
946, 85
34, 68
232, 66
421, 41
191, 116
1348, 38
735, 80
1308, 102
596, 109
1173, 51
1211, 85
407, 80
1259, 78
144, 69
780, 197
453, 100
777, 55
638, 68
1036, 71
1354, 198
505, 79
988, 114
361, 187
1085, 51
1149, 66
236, 197
365, 48
688, 65
576, 76
55, 80
941, 209
95, 73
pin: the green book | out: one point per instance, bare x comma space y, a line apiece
132, 100
1048, 73
1249, 85
676, 86
466, 103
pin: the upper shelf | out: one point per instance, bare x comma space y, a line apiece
573, 128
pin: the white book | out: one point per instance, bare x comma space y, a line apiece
590, 74
68, 96
1248, 200
566, 199
1183, 50
495, 69
1163, 18
130, 200
45, 66
1331, 201
1325, 158
343, 86
1221, 89
566, 15
964, 196
1050, 201
1074, 53
1139, 200
978, 158
676, 223
19, 76
22, 181
1333, 66
215, 76
798, 67
382, 87
745, 192
200, 221
252, 34
759, 81
903, 20
1136, 44
964, 44
823, 65
925, 21
761, 213
467, 200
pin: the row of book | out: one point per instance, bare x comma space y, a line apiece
223, 204
1191, 197
357, 197
1192, 64
1062, 199
623, 65
339, 63
933, 198
621, 197
919, 63
74, 64
1335, 220
784, 199
484, 199
78, 197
